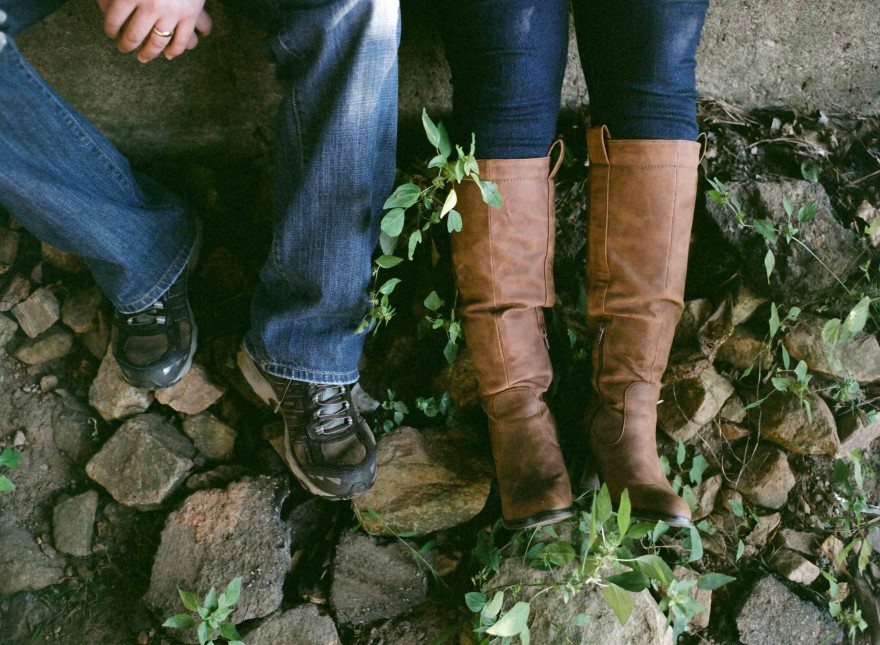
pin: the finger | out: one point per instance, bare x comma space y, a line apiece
155, 44
136, 31
193, 42
182, 36
117, 13
204, 24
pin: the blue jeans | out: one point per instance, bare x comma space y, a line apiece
336, 145
508, 61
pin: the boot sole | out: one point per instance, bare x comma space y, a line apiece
544, 518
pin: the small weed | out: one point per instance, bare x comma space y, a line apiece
211, 614
850, 619
8, 459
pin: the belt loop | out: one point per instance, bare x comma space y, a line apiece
559, 143
596, 144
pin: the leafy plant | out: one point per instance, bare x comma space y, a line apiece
444, 406
394, 411
8, 459
850, 619
210, 614
849, 478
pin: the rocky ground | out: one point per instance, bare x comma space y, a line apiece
123, 496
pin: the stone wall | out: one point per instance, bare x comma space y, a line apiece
221, 97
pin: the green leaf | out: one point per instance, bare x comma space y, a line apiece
781, 383
453, 222
623, 513
810, 172
414, 240
603, 505
831, 331
387, 242
389, 286
769, 263
807, 212
231, 594
855, 321
6, 485
475, 601
655, 568
634, 581
438, 161
559, 554
433, 301
445, 146
659, 530
405, 196
787, 205
736, 508
450, 351
681, 454
740, 549
696, 545
180, 621
711, 581
765, 229
204, 633
388, 261
493, 606
430, 129
211, 600
513, 622
190, 600
786, 359
698, 467
490, 193
10, 458
392, 222
620, 601
580, 620
800, 371
229, 632
774, 319
450, 202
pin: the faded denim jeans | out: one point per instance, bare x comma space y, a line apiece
508, 61
336, 145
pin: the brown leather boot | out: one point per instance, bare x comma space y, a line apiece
503, 260
642, 196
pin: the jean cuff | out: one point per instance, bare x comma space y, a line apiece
304, 374
174, 271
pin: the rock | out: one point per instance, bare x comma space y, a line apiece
857, 358
8, 327
144, 461
856, 432
71, 428
112, 396
805, 543
211, 436
733, 410
62, 260
8, 249
767, 478
690, 404
716, 330
706, 494
745, 302
218, 477
783, 419
765, 526
55, 343
426, 481
362, 400
461, 381
217, 535
772, 614
97, 340
428, 624
23, 566
798, 276
193, 394
548, 612
80, 311
16, 291
744, 349
73, 523
302, 624
694, 315
869, 215
371, 582
19, 439
48, 383
39, 312
795, 567
702, 596
831, 548
22, 616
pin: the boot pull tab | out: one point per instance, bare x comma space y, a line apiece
596, 138
703, 140
561, 145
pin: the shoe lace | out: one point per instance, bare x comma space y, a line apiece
331, 412
152, 315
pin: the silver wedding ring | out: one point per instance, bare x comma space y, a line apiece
163, 34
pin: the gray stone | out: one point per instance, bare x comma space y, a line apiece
706, 494
62, 260
548, 611
783, 419
798, 276
218, 477
856, 432
80, 311
16, 291
302, 624
716, 330
693, 316
767, 478
857, 358
73, 523
8, 327
97, 339
773, 614
193, 394
55, 343
23, 566
372, 582
800, 541
427, 481
734, 410
217, 535
211, 436
427, 624
794, 567
744, 349
745, 302
39, 312
144, 461
112, 396
690, 404
8, 249
764, 527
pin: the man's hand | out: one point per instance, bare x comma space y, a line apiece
168, 27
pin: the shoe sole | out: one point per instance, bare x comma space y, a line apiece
544, 518
264, 391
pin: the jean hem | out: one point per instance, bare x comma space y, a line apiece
304, 374
178, 266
